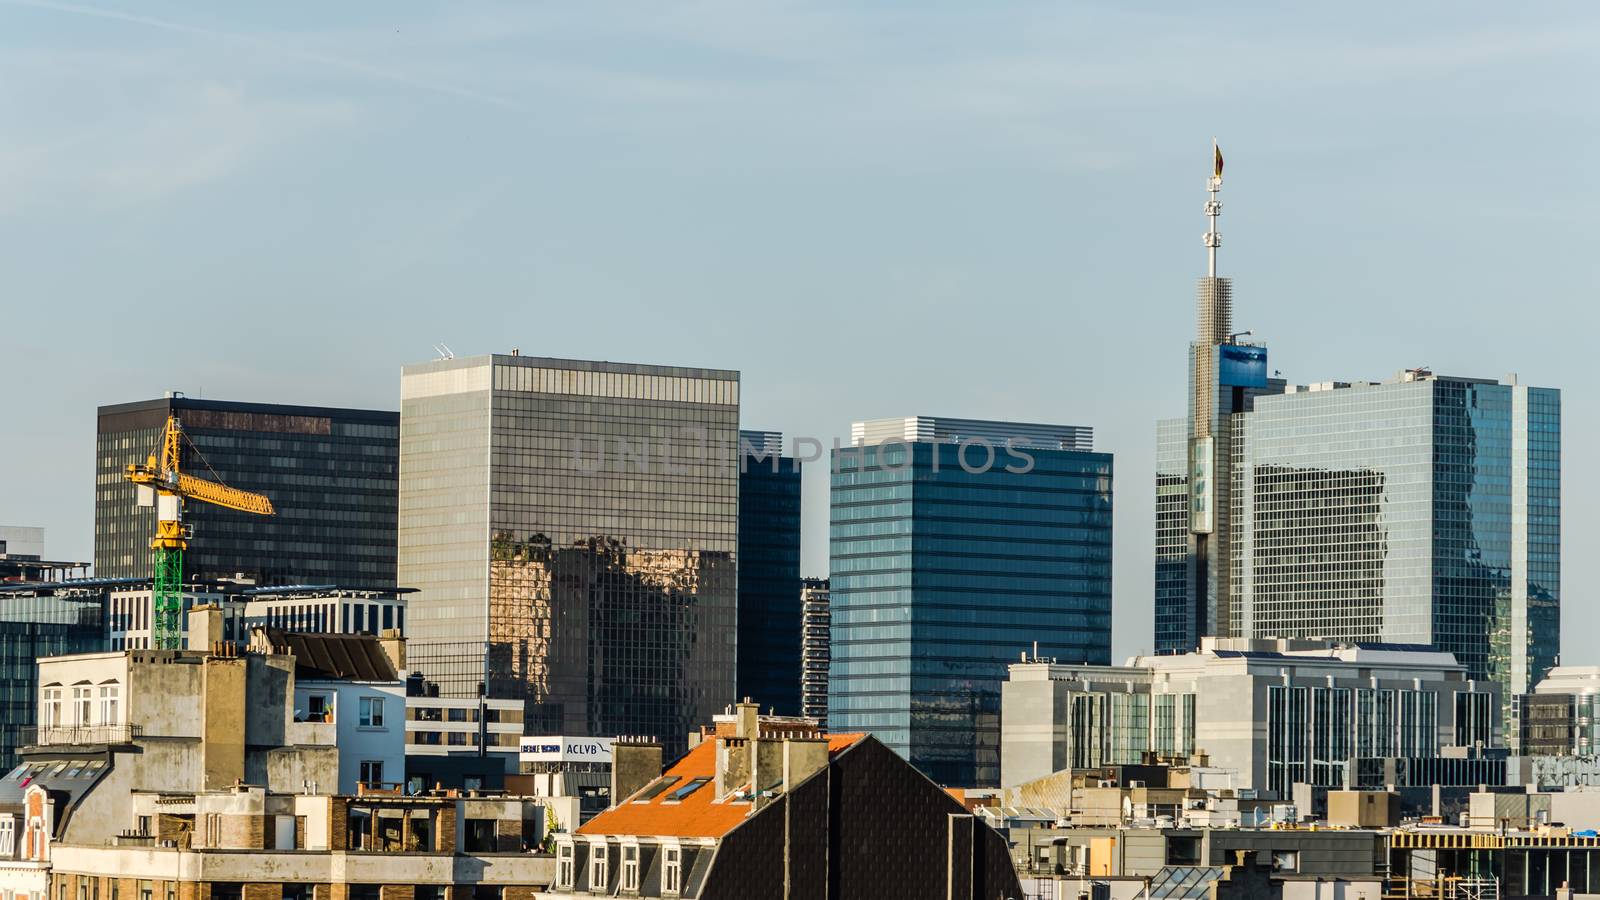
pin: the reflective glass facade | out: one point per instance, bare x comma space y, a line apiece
1425, 510
1175, 600
941, 577
769, 579
34, 624
571, 529
332, 475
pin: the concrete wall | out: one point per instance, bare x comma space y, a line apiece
89, 669
292, 769
1332, 889
165, 697
1033, 730
320, 868
1577, 810
223, 722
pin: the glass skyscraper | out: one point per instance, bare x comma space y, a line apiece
1425, 510
331, 473
571, 528
36, 621
947, 562
769, 574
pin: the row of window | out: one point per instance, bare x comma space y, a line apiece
81, 711
600, 867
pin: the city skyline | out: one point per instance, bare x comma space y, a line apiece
1344, 200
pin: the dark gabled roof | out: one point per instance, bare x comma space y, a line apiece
68, 778
356, 657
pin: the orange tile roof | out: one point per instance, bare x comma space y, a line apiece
699, 815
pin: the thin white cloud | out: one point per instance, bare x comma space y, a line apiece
277, 47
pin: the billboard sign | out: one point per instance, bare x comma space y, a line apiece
566, 749
1241, 366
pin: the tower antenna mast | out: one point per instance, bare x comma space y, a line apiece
1214, 209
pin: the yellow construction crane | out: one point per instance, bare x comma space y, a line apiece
161, 484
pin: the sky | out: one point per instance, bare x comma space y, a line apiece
869, 209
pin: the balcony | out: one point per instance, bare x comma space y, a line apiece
80, 735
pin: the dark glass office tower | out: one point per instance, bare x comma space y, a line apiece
942, 576
37, 621
571, 528
769, 574
332, 474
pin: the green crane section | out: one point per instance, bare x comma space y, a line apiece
161, 484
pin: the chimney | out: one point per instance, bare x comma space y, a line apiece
635, 762
394, 647
801, 758
766, 767
223, 720
733, 764
748, 719
205, 627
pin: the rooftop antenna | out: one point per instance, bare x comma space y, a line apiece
1214, 209
443, 350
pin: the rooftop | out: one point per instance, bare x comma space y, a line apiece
682, 803
947, 430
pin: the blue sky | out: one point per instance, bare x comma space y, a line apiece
980, 210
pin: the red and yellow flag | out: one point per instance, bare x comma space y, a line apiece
1217, 152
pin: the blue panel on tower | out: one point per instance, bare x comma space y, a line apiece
1241, 366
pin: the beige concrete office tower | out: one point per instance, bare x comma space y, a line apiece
571, 529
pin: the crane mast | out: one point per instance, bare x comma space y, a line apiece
161, 483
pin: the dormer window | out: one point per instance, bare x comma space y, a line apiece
630, 867
599, 859
671, 870
565, 872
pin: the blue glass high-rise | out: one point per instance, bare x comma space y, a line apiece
768, 666
942, 576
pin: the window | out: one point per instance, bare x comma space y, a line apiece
458, 738
630, 867
372, 771
1183, 850
52, 708
694, 785
144, 828
564, 867
371, 712
598, 858
83, 701
108, 704
1285, 861
457, 714
8, 836
671, 869
318, 709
